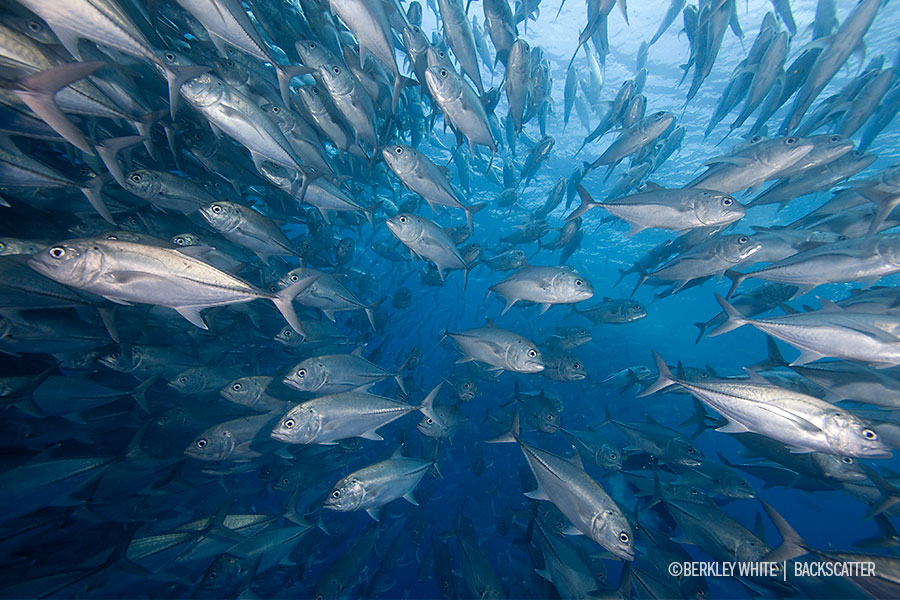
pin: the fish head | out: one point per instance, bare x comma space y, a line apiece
336, 79
738, 248
295, 275
713, 208
213, 445
524, 357
828, 147
300, 425
781, 153
571, 287
438, 57
735, 486
888, 248
223, 216
848, 435
189, 381
572, 369
750, 550
311, 53
519, 55
187, 239
406, 227
608, 457
840, 468
415, 41
432, 426
117, 360
611, 529
289, 337
224, 573
308, 376
244, 390
281, 117
401, 159
657, 123
680, 451
466, 388
76, 263
347, 495
203, 91
443, 83
632, 310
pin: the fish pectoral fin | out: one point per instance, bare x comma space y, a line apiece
733, 427
572, 530
800, 450
408, 496
373, 512
371, 435
192, 314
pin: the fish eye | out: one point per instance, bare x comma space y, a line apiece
179, 241
743, 484
34, 26
337, 70
336, 494
661, 113
287, 333
703, 593
847, 460
114, 356
579, 282
289, 424
466, 385
834, 138
275, 109
236, 387
549, 417
183, 379
136, 178
301, 373
403, 219
429, 421
443, 72
170, 56
576, 366
398, 150
790, 140
294, 278
690, 450
727, 201
694, 491
613, 456
216, 208
743, 239
312, 45
57, 251
623, 537
201, 443
532, 353
445, 583
869, 434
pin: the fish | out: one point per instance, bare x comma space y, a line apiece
543, 285
498, 348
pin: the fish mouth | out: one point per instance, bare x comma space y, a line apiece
280, 436
623, 553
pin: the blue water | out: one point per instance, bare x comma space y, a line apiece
60, 547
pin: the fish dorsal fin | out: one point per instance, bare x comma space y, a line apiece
828, 306
490, 322
651, 420
398, 454
575, 459
607, 299
358, 351
679, 371
756, 377
651, 186
538, 494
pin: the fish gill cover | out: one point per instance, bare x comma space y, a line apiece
383, 299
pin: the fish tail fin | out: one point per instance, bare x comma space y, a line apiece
890, 495
792, 545
735, 319
38, 92
371, 316
400, 82
510, 436
644, 276
285, 73
774, 358
470, 213
664, 379
702, 327
426, 408
175, 77
698, 418
284, 300
736, 280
